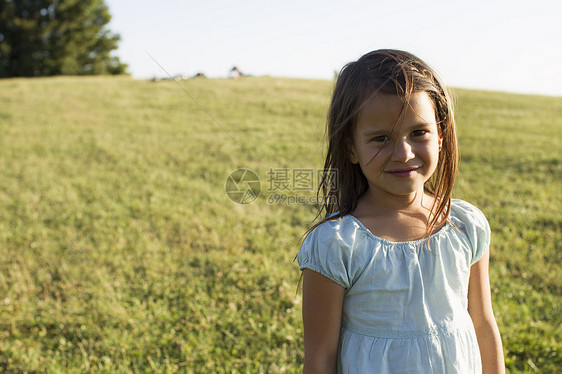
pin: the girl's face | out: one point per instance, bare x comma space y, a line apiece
397, 156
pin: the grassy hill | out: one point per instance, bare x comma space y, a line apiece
122, 252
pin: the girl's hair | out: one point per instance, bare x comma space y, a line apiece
392, 72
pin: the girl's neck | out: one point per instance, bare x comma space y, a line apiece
399, 219
389, 204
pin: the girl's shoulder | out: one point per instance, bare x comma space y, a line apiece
342, 228
473, 224
467, 213
329, 249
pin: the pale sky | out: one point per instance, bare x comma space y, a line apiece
501, 45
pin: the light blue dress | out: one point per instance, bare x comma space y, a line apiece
405, 306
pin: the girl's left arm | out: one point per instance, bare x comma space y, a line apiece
480, 310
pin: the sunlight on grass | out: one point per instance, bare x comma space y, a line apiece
122, 251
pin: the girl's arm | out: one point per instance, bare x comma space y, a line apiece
321, 312
480, 310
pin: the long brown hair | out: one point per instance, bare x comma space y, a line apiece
390, 72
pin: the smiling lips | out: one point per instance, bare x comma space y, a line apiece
403, 172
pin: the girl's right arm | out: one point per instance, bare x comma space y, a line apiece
321, 310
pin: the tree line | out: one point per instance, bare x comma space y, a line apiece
56, 37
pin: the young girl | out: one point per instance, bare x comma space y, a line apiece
395, 277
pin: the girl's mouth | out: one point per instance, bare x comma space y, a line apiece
403, 173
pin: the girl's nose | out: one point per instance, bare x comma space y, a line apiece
402, 151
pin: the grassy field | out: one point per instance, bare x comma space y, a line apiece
121, 251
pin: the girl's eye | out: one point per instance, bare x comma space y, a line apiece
419, 132
380, 139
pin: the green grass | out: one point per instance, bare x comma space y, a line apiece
121, 251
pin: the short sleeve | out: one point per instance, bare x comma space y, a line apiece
476, 227
324, 251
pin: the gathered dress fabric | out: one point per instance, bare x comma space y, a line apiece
405, 303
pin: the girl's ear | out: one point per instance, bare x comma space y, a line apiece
441, 130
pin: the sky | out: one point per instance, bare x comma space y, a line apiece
500, 45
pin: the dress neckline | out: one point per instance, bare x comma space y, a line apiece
439, 232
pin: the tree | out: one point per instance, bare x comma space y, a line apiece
56, 37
